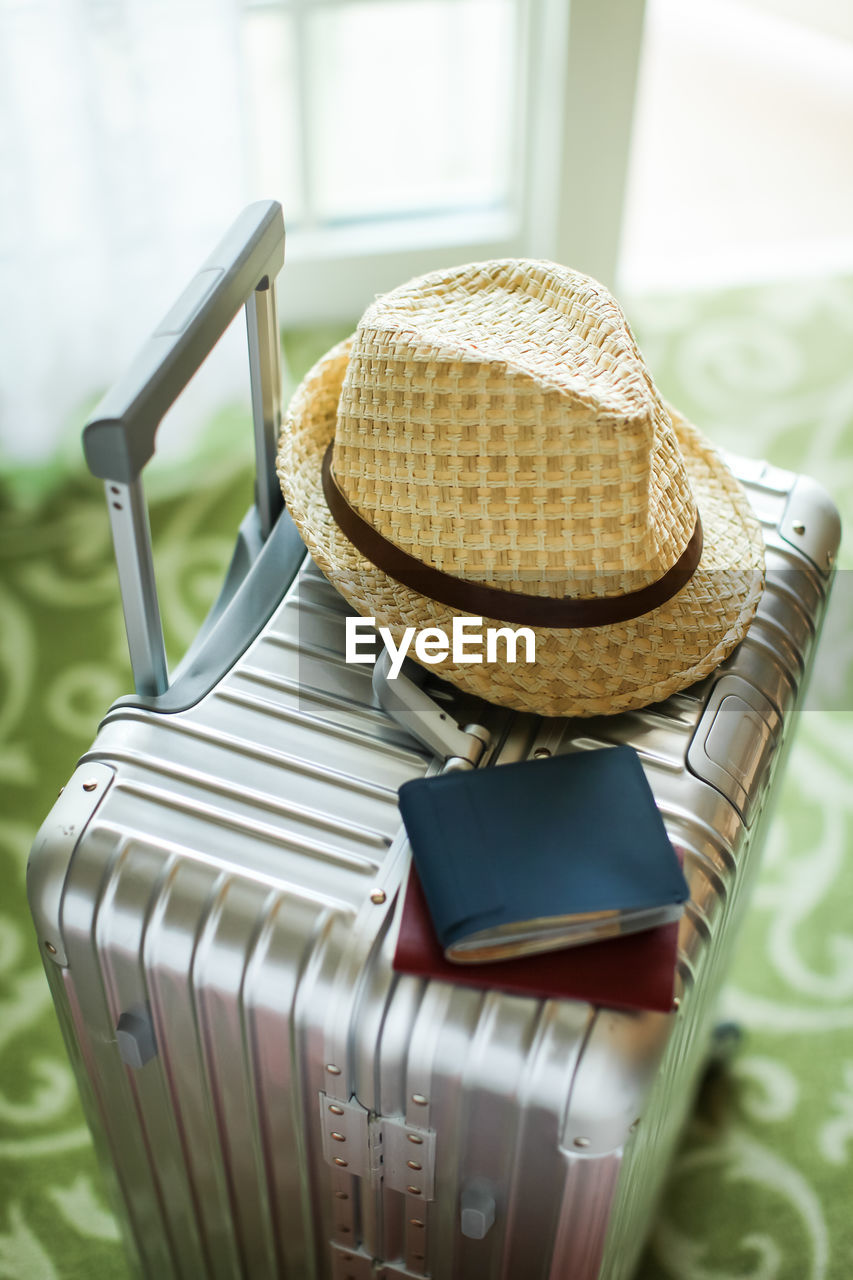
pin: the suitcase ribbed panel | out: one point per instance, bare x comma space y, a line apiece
775, 656
223, 888
239, 841
493, 1070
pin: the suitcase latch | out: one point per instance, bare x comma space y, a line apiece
406, 703
733, 745
378, 1147
408, 1158
357, 1264
352, 1138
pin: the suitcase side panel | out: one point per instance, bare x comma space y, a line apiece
793, 609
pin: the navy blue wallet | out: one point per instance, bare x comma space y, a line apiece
540, 855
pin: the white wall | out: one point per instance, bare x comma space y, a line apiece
741, 165
117, 182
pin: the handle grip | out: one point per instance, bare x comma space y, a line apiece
119, 439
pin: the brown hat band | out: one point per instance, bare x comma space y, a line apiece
475, 598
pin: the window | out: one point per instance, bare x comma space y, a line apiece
406, 106
402, 135
399, 135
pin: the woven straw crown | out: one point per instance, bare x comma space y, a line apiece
500, 424
496, 424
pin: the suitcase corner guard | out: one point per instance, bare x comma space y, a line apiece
53, 849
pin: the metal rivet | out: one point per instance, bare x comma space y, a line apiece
378, 897
51, 948
90, 784
541, 753
416, 1222
341, 1195
419, 1099
581, 1142
342, 1164
413, 1191
336, 1111
676, 1005
118, 506
413, 1164
413, 1137
332, 1069
798, 527
338, 1137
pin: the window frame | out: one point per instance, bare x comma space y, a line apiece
576, 76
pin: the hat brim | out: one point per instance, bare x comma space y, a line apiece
581, 672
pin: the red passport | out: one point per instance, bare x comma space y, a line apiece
634, 971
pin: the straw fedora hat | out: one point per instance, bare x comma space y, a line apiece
490, 443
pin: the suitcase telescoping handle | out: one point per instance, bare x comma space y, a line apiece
119, 439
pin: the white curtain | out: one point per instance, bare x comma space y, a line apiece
121, 163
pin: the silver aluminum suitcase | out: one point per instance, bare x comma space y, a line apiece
216, 898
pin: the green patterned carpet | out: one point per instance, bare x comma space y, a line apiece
762, 1186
